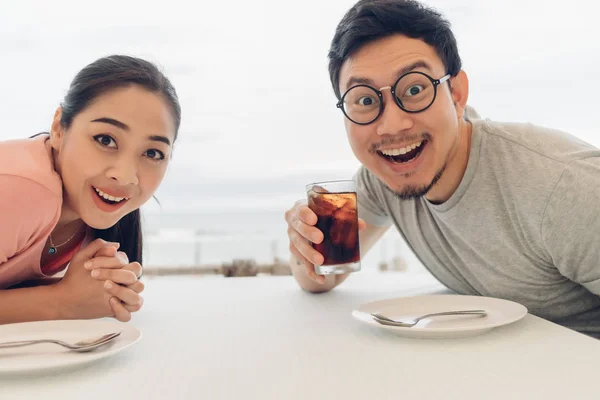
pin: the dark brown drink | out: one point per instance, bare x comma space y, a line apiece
338, 220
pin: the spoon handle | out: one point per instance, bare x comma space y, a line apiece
7, 345
465, 312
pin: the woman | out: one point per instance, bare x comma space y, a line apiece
72, 196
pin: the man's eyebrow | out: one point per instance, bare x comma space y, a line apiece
359, 80
113, 122
412, 67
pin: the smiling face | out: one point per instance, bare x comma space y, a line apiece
414, 154
114, 155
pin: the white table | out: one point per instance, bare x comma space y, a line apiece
263, 338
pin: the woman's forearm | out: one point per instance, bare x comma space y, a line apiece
29, 304
36, 282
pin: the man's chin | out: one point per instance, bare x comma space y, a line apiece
409, 192
412, 191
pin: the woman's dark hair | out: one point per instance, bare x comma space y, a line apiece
369, 20
97, 78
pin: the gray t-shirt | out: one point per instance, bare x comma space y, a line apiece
523, 224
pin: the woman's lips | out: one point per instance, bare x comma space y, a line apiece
106, 205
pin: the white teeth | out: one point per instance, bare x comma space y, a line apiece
401, 150
107, 196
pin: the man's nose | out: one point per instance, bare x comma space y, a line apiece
393, 120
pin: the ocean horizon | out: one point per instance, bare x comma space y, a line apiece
212, 237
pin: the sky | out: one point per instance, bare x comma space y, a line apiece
259, 115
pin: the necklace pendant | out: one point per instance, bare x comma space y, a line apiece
52, 250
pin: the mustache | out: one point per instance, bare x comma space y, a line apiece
399, 139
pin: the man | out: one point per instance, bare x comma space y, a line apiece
494, 209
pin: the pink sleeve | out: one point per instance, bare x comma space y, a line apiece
27, 211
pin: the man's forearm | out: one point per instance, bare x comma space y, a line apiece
28, 304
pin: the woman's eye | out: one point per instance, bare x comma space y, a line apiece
155, 154
105, 141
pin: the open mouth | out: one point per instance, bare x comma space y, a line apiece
402, 155
108, 199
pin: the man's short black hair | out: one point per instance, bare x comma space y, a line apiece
369, 20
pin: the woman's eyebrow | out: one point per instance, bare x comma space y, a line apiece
163, 139
113, 122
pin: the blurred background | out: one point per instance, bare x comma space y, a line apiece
259, 115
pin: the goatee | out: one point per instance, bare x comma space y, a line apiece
410, 192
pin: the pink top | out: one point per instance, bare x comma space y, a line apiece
30, 206
60, 262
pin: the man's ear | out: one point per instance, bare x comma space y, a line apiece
57, 131
460, 92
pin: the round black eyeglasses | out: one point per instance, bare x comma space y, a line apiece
413, 92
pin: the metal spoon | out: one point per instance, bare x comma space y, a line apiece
81, 346
382, 319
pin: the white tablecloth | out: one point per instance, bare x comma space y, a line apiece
264, 338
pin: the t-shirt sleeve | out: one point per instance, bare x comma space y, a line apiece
26, 211
571, 224
370, 208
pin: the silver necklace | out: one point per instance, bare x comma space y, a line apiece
54, 248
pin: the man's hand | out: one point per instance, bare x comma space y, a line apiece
301, 231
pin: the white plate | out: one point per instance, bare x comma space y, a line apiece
47, 356
499, 312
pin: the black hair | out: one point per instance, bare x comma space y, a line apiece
369, 20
